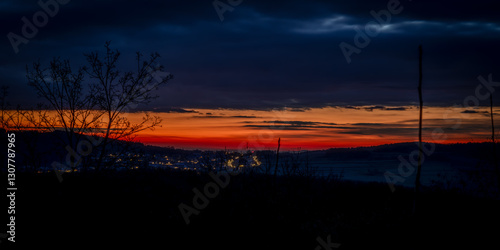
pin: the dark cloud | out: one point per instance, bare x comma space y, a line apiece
277, 128
392, 131
222, 116
290, 125
374, 107
296, 123
351, 107
300, 123
474, 112
397, 108
173, 110
404, 128
296, 109
244, 116
368, 124
271, 54
371, 108
210, 116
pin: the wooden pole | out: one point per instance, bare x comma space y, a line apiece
495, 158
277, 159
419, 167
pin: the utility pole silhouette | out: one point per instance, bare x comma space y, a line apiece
419, 167
277, 160
495, 157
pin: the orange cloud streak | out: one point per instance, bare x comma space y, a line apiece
318, 128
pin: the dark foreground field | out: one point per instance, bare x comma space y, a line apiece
139, 208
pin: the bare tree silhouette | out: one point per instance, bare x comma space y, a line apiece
95, 106
3, 106
25, 121
18, 121
63, 90
116, 91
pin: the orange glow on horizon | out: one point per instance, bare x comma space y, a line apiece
318, 128
313, 129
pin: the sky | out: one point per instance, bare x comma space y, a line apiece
247, 57
317, 128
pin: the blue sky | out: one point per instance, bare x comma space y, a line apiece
269, 54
